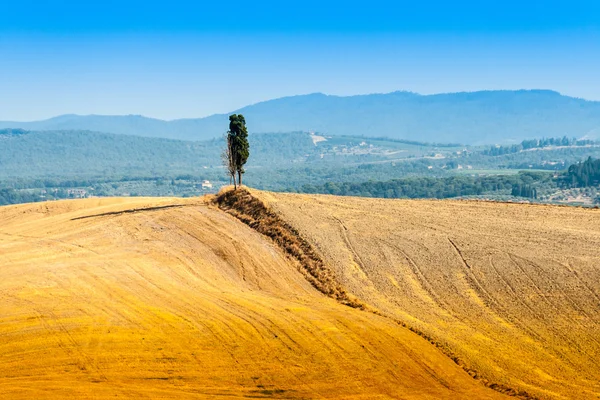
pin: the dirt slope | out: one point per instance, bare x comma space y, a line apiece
170, 298
513, 290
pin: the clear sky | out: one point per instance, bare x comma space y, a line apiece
180, 59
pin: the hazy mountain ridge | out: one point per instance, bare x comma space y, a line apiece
120, 124
468, 117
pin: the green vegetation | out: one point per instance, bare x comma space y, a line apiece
537, 144
440, 188
237, 148
11, 196
520, 190
26, 157
549, 158
584, 174
68, 164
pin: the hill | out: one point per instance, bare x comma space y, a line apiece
120, 124
513, 290
85, 154
471, 118
172, 298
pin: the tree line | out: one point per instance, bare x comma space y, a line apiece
522, 190
11, 196
583, 174
439, 188
536, 144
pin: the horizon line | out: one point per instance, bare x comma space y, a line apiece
408, 92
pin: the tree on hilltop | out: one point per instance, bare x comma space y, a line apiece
237, 148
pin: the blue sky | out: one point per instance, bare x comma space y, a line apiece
181, 59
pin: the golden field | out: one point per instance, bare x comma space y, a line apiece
174, 298
511, 290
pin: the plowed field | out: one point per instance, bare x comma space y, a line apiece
171, 298
512, 289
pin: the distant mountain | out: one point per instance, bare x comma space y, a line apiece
125, 124
476, 117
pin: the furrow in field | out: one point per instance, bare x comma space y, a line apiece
506, 304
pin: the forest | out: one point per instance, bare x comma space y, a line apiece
583, 174
439, 188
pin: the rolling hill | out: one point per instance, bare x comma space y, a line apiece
172, 298
242, 296
471, 118
512, 289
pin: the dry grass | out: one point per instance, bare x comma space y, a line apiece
172, 298
512, 290
253, 212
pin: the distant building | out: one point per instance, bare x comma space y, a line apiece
77, 193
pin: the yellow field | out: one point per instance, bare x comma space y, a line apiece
512, 290
171, 298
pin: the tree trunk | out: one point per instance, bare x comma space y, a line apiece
234, 184
240, 178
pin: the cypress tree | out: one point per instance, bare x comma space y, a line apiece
240, 148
